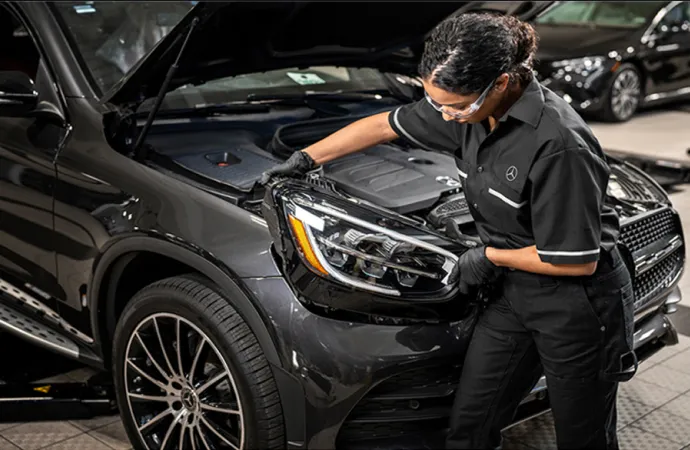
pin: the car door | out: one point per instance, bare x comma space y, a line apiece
27, 175
668, 60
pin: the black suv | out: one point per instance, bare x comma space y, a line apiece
311, 313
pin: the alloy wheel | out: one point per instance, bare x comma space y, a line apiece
625, 94
180, 391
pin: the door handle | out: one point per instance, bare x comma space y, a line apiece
667, 47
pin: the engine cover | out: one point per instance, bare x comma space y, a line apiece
404, 181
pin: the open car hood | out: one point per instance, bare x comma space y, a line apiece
233, 38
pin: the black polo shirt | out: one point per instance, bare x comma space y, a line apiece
539, 178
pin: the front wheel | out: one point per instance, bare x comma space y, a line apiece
624, 96
189, 373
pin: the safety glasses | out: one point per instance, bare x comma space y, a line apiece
464, 112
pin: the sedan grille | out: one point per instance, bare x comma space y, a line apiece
638, 233
657, 279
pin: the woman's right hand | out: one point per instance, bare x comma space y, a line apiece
297, 164
355, 137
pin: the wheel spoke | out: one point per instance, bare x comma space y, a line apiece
219, 410
151, 398
217, 433
182, 430
211, 382
150, 356
178, 326
169, 432
155, 419
192, 437
160, 341
203, 438
147, 376
196, 360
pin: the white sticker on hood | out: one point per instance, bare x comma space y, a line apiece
305, 78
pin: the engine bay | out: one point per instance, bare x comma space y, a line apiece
403, 179
231, 156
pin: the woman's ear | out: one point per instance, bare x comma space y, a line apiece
502, 83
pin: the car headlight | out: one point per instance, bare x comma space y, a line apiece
358, 247
615, 190
589, 66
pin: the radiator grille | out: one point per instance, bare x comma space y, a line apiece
658, 278
640, 233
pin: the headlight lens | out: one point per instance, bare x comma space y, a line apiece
588, 62
615, 190
588, 67
361, 249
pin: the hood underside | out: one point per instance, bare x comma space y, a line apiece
233, 38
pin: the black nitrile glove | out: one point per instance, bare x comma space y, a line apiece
476, 269
297, 164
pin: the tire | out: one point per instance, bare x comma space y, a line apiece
625, 89
244, 404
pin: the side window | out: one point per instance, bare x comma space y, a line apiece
20, 55
676, 20
17, 49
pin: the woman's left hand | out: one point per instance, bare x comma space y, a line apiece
475, 268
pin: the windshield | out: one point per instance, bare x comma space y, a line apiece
111, 37
604, 14
291, 81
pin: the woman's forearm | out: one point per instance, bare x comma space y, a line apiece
527, 260
355, 137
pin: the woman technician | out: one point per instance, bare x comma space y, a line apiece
535, 179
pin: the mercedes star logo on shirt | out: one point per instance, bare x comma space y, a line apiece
511, 173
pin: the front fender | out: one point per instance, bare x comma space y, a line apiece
188, 254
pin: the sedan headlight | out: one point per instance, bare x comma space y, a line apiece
356, 246
587, 67
587, 63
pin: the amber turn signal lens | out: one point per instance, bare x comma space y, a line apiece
303, 241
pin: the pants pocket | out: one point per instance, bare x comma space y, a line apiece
614, 309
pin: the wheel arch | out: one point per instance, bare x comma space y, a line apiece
114, 261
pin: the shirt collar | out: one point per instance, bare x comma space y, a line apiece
529, 106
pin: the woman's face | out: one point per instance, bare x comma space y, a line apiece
452, 102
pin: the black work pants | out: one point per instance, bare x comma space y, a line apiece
576, 331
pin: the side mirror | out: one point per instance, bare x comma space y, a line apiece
18, 98
48, 113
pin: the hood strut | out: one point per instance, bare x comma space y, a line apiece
139, 151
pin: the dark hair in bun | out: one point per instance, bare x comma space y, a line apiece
465, 53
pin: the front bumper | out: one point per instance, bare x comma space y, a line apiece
584, 93
358, 386
406, 373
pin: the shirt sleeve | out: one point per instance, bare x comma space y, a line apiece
420, 124
568, 191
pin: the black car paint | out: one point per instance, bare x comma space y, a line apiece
108, 209
665, 70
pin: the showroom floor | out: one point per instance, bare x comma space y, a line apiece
654, 408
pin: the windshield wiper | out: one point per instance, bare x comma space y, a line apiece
262, 103
212, 109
